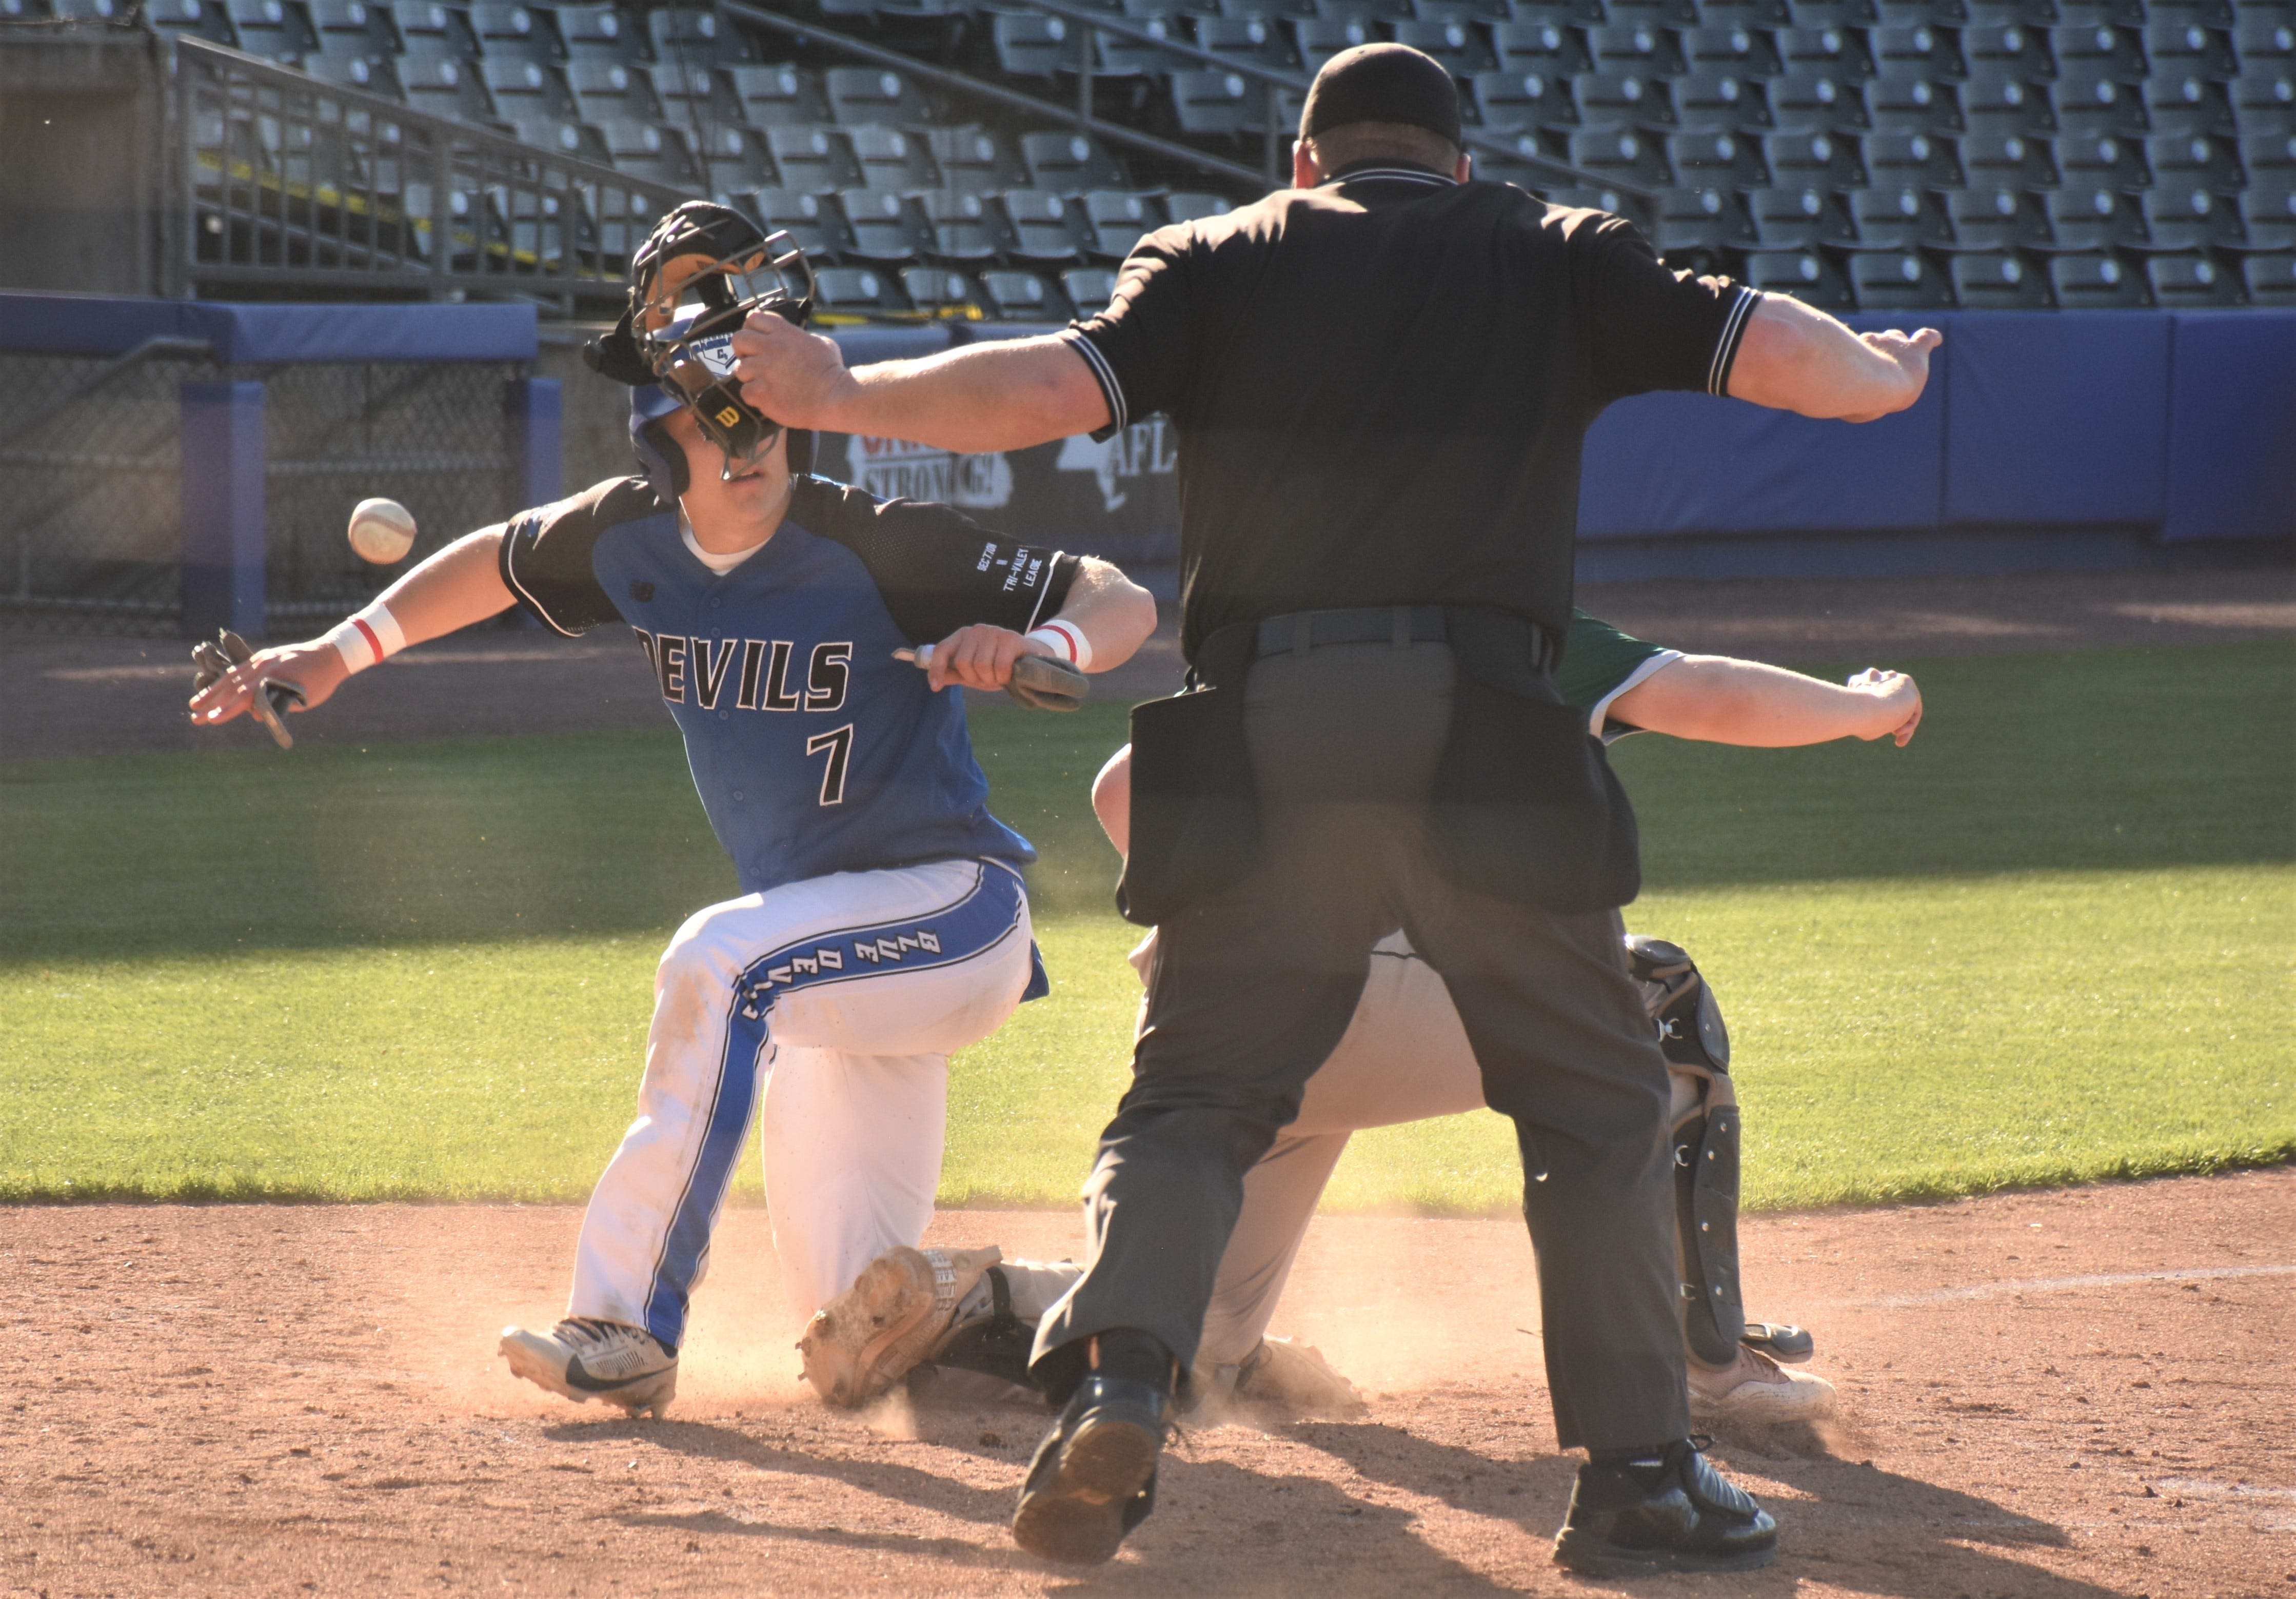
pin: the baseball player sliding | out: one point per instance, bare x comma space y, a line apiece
883, 923
1404, 1057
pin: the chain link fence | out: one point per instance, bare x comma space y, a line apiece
91, 487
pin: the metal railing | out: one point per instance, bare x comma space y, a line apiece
289, 181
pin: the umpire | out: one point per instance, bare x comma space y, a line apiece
1381, 379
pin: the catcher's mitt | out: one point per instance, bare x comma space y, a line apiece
210, 661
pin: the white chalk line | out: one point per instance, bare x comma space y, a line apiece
1990, 1290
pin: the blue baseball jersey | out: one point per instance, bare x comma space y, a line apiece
813, 750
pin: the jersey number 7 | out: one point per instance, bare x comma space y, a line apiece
839, 744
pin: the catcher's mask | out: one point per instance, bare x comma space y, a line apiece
699, 275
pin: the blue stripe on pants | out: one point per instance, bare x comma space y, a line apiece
975, 923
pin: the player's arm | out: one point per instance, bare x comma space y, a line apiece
1004, 395
1724, 700
459, 586
1112, 799
1795, 358
1105, 618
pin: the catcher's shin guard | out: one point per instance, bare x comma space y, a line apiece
1705, 1143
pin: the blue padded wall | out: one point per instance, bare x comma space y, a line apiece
2056, 417
2231, 426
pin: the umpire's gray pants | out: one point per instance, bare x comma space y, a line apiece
1250, 991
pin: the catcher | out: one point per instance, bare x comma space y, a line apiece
883, 923
1404, 1057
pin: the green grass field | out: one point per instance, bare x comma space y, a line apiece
2049, 942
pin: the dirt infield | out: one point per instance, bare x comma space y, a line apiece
2049, 1396
98, 696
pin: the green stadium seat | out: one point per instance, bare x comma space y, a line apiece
783, 96
510, 32
2102, 159
2270, 279
859, 290
1804, 274
1701, 217
1547, 48
965, 227
1899, 216
859, 95
891, 159
1042, 227
1516, 102
1897, 280
884, 227
1798, 218
1733, 160
2096, 282
1720, 100
1931, 161
2010, 160
813, 160
974, 161
2191, 280
1025, 296
1115, 221
1032, 45
1622, 99
1069, 163
1997, 282
938, 288
1995, 219
2085, 217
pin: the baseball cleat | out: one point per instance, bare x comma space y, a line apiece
1788, 1344
1756, 1389
1284, 1374
867, 1338
1094, 1478
582, 1358
1672, 1513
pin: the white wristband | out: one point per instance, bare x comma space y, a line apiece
368, 639
1066, 640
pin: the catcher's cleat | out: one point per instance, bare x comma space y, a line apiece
1672, 1513
867, 1338
582, 1358
1756, 1389
1094, 1478
1294, 1378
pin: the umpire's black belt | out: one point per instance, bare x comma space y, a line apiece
1301, 631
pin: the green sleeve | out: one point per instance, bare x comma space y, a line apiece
1597, 658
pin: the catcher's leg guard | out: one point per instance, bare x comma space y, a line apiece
1705, 1143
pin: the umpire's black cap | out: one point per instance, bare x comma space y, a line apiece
1382, 83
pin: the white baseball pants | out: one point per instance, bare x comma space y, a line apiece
834, 1004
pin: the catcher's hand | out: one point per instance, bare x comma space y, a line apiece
219, 664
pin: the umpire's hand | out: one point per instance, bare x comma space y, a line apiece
978, 657
795, 377
316, 667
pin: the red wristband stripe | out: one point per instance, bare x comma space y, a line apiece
367, 633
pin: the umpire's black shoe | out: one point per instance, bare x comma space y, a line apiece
1094, 1478
1675, 1514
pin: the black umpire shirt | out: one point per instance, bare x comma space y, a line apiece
1382, 384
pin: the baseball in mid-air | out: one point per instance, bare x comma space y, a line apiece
381, 531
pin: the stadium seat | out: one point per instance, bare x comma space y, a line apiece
2004, 13
1459, 45
1069, 163
1116, 221
1994, 218
1897, 280
1834, 14
1744, 14
1915, 106
351, 66
2270, 152
695, 35
1992, 103
866, 94
1613, 99
600, 33
651, 150
268, 28
1654, 13
1799, 217
1089, 288
2190, 104
2267, 215
1704, 217
965, 227
1032, 45
1511, 101
2262, 34
2010, 51
2092, 102
562, 135
444, 87
858, 289
891, 159
2266, 96
1825, 161
2114, 163
2271, 280
1930, 159
1042, 227
1254, 41
1816, 101
518, 33
1804, 274
1640, 212
2211, 163
733, 159
1025, 296
2084, 216
1736, 50
1540, 47
2184, 215
2099, 50
610, 92
1460, 11
1997, 282
526, 91
778, 96
2009, 160
2096, 283
1215, 103
1733, 160
1115, 56
1834, 53
1282, 11
1922, 53
1318, 39
1624, 155
697, 96
2191, 280
1185, 206
1635, 47
1367, 12
199, 19
884, 226
1900, 217
2183, 48
1720, 100
813, 223
345, 26
816, 161
938, 289
973, 160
